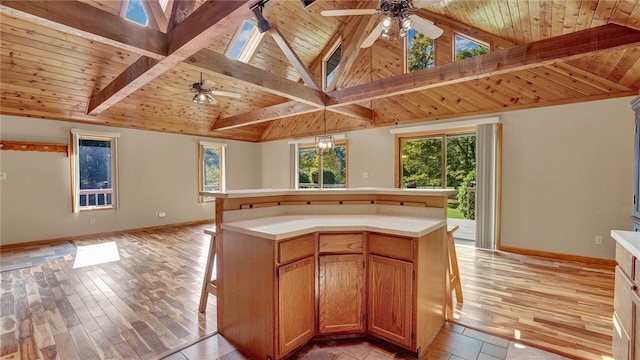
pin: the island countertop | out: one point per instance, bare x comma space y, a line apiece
630, 240
286, 226
346, 191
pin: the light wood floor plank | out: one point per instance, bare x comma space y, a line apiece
561, 306
146, 303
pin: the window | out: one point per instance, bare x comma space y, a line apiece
245, 43
465, 47
330, 65
210, 169
94, 159
442, 161
420, 54
333, 163
135, 12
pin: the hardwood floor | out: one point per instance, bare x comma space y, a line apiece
561, 306
144, 306
139, 307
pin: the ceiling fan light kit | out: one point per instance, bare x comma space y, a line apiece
398, 12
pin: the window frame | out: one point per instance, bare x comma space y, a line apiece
251, 44
332, 50
76, 136
202, 145
468, 37
428, 134
406, 52
309, 145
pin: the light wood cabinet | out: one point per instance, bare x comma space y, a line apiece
296, 304
341, 297
390, 299
341, 294
626, 303
279, 294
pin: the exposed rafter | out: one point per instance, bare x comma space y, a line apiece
258, 78
270, 113
186, 38
86, 21
520, 57
293, 58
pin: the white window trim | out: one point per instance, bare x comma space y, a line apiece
313, 139
76, 134
444, 125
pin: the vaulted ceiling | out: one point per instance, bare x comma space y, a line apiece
81, 61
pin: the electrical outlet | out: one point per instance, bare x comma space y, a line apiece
161, 214
598, 239
92, 221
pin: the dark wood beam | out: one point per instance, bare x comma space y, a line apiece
293, 58
86, 21
185, 39
592, 41
270, 113
261, 79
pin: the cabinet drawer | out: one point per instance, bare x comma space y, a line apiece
341, 243
620, 340
392, 246
297, 248
622, 301
625, 260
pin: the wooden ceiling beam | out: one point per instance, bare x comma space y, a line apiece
293, 58
186, 38
270, 113
354, 34
354, 111
88, 22
155, 14
264, 80
591, 41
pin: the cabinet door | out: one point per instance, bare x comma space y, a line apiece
390, 294
341, 298
296, 304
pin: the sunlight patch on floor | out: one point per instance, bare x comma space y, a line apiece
96, 254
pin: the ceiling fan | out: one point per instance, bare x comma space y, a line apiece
204, 92
398, 13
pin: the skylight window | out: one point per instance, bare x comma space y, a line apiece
135, 12
245, 43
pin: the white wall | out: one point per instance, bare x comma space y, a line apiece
158, 173
567, 177
567, 174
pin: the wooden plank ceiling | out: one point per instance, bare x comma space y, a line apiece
81, 61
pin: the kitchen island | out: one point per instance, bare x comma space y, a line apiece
295, 265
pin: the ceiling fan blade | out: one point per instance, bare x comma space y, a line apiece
208, 84
426, 27
348, 12
225, 93
372, 37
424, 3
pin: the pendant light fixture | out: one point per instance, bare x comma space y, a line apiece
324, 142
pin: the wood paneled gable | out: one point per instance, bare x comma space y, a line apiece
57, 64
